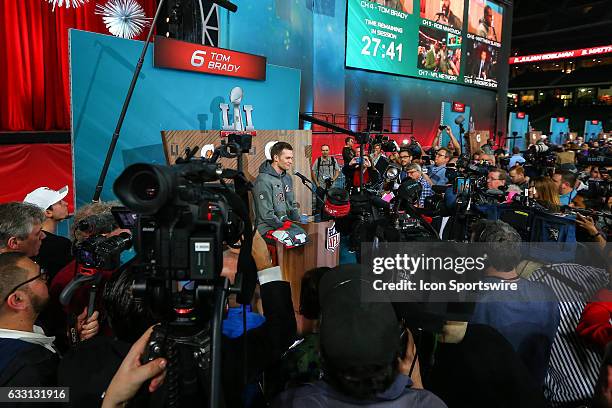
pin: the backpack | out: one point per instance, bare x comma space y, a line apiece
333, 164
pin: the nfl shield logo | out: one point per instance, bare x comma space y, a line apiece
333, 238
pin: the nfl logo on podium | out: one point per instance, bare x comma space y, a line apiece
333, 238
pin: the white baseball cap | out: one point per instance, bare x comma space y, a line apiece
44, 197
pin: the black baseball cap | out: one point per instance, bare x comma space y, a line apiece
354, 332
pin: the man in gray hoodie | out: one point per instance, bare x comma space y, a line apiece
273, 194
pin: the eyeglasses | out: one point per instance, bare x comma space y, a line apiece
43, 275
441, 154
493, 179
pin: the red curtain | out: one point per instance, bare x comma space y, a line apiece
24, 168
34, 83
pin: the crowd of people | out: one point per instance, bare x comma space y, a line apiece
507, 351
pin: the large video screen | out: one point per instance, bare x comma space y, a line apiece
447, 40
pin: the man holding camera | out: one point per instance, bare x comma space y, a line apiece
437, 171
414, 172
517, 175
325, 170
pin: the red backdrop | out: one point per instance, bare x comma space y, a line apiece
26, 167
35, 91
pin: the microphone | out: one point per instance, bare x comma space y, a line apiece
226, 5
302, 177
459, 119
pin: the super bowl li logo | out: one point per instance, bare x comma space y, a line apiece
332, 238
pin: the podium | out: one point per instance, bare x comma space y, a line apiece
294, 262
476, 139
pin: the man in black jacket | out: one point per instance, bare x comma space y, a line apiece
264, 344
55, 251
27, 356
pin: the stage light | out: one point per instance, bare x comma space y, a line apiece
123, 18
67, 3
167, 34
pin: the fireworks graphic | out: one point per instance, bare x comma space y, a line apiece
123, 18
67, 3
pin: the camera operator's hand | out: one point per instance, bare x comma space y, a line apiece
586, 223
260, 253
87, 327
132, 374
406, 363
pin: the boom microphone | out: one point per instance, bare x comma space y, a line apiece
302, 177
226, 5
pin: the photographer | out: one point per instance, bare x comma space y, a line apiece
415, 173
496, 179
347, 150
129, 316
351, 172
325, 170
92, 220
518, 178
405, 159
456, 147
437, 171
379, 160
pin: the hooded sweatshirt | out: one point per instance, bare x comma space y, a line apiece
274, 199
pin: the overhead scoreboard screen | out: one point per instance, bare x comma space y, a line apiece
455, 41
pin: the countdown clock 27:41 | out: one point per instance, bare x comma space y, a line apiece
375, 47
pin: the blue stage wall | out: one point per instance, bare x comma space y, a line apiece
101, 70
521, 127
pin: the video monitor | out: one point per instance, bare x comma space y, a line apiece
439, 54
481, 64
433, 39
485, 20
447, 12
378, 36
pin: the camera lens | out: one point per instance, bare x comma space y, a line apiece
145, 186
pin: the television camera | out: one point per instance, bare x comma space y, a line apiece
185, 215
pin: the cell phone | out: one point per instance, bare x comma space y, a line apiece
442, 127
359, 160
459, 184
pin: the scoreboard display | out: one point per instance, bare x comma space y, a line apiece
455, 41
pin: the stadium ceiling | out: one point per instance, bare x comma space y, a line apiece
543, 25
